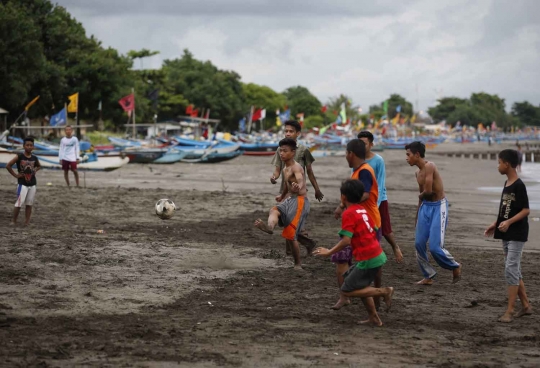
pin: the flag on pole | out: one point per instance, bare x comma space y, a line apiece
128, 102
242, 125
324, 108
343, 113
59, 118
285, 115
73, 102
398, 108
385, 107
256, 115
189, 110
31, 103
263, 114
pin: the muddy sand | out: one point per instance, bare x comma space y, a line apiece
205, 289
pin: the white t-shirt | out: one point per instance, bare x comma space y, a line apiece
69, 149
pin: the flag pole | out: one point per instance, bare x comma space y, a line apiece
77, 118
250, 119
134, 131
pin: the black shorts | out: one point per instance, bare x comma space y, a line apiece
358, 279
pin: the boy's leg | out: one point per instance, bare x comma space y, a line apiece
66, 176
526, 308
76, 173
16, 214
288, 247
273, 219
386, 227
28, 214
341, 269
512, 274
22, 192
373, 318
370, 291
437, 232
296, 254
378, 283
421, 238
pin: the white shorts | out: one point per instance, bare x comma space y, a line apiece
25, 195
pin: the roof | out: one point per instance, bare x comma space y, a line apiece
2, 111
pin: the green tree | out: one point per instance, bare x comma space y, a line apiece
300, 100
22, 61
205, 86
263, 97
445, 107
527, 113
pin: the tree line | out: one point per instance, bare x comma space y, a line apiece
45, 51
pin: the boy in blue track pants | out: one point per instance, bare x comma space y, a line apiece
432, 216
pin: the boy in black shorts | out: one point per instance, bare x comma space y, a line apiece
358, 231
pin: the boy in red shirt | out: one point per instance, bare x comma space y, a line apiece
358, 231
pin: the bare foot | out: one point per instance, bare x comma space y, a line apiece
506, 318
457, 275
425, 282
524, 312
309, 243
342, 302
298, 268
259, 224
388, 298
374, 320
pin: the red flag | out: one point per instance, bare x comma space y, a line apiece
195, 113
324, 108
189, 109
128, 102
257, 115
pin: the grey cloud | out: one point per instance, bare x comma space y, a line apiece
256, 8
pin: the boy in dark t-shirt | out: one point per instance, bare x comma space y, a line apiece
27, 166
512, 227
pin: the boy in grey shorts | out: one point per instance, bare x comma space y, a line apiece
512, 228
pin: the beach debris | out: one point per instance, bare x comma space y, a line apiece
49, 184
536, 218
101, 231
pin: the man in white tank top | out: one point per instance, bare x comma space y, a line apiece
69, 155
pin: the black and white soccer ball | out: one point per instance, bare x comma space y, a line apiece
165, 209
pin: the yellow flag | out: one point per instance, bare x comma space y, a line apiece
278, 121
395, 119
73, 102
413, 119
31, 103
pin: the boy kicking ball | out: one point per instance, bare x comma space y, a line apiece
357, 230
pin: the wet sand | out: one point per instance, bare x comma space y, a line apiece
206, 289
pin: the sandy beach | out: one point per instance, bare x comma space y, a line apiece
206, 289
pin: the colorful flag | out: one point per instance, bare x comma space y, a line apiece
263, 114
398, 108
194, 113
385, 107
343, 112
73, 102
256, 115
242, 125
189, 110
59, 118
31, 103
324, 108
285, 115
128, 102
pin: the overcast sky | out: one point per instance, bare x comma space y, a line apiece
365, 49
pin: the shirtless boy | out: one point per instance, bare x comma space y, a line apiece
293, 208
431, 216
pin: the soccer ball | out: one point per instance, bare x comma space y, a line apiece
165, 209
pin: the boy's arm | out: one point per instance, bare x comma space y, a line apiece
311, 175
505, 225
324, 252
427, 193
10, 169
77, 150
37, 166
61, 150
365, 177
276, 160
